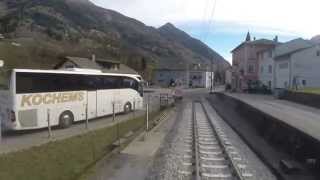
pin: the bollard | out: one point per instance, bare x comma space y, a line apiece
49, 124
87, 118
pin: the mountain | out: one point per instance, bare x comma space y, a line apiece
48, 29
199, 48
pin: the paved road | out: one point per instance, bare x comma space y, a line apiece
304, 118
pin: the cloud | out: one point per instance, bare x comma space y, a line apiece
290, 16
231, 19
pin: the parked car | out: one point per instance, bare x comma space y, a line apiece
256, 87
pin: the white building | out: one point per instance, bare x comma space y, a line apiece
200, 79
266, 70
297, 64
194, 77
163, 77
228, 76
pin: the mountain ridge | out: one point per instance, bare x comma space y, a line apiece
73, 27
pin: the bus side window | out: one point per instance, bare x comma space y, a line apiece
127, 83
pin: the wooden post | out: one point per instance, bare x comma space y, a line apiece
117, 126
147, 109
1, 120
87, 118
113, 111
134, 108
49, 124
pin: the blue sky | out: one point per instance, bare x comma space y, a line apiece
223, 24
222, 38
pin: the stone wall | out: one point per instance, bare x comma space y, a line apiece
308, 99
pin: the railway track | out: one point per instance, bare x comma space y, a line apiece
207, 151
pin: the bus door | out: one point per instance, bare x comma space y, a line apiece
117, 99
92, 104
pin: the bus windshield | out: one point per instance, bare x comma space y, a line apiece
140, 89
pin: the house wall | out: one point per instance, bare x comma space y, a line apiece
208, 79
282, 72
306, 66
244, 57
197, 79
163, 77
228, 76
265, 74
200, 79
239, 66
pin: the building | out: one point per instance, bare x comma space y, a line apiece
106, 66
195, 76
228, 76
266, 67
245, 61
297, 64
164, 77
200, 79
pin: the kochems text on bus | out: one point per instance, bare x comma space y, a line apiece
51, 98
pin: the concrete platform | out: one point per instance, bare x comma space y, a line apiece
303, 118
134, 161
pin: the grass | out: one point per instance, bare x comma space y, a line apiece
310, 90
66, 159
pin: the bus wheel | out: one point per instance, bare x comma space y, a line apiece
66, 119
127, 108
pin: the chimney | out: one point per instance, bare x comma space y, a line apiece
93, 58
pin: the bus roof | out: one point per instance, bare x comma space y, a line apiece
77, 71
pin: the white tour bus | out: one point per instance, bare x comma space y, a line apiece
65, 95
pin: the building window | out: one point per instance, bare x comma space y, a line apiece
318, 53
304, 82
251, 68
261, 69
270, 69
270, 54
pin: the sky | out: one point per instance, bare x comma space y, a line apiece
223, 24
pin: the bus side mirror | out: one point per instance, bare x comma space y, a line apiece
1, 63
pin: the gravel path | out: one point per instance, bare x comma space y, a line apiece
172, 155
